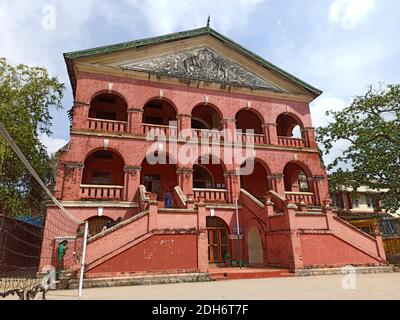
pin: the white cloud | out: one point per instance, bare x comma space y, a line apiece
321, 105
349, 13
163, 16
52, 144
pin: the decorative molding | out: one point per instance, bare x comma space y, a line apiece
74, 165
135, 110
202, 64
81, 104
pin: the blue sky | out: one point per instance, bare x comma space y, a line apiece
339, 46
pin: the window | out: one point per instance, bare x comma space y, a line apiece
388, 227
153, 184
101, 178
355, 201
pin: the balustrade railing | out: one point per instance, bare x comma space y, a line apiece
156, 130
299, 197
212, 195
107, 125
291, 142
249, 138
208, 135
99, 192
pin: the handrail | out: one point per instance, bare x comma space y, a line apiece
107, 120
206, 189
101, 186
157, 125
300, 193
253, 198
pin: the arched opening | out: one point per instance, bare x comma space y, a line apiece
256, 182
295, 178
218, 239
206, 117
159, 178
208, 173
104, 168
288, 126
248, 120
159, 112
98, 223
108, 106
255, 247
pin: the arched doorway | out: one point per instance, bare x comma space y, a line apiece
108, 107
96, 224
254, 246
159, 112
249, 120
206, 117
105, 168
218, 240
255, 181
288, 126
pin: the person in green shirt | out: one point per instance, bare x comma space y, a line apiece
62, 248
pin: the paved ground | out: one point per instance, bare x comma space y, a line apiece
366, 286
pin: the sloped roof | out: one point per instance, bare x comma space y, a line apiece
70, 56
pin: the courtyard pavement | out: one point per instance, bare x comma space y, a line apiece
362, 287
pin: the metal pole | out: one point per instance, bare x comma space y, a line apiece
83, 259
238, 233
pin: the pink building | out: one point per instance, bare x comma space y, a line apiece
188, 98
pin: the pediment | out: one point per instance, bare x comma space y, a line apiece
203, 64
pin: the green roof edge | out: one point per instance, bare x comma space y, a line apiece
187, 34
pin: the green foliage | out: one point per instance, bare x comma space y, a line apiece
27, 94
371, 125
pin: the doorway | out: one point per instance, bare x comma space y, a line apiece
218, 243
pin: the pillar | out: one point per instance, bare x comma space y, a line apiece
295, 250
153, 212
202, 238
309, 136
271, 136
184, 125
277, 182
185, 180
232, 185
80, 115
229, 127
131, 182
315, 182
135, 119
379, 244
72, 181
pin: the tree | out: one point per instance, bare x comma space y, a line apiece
27, 95
371, 125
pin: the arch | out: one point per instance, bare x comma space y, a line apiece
159, 112
254, 246
96, 224
296, 176
256, 182
289, 124
103, 167
202, 177
214, 167
218, 239
108, 106
159, 178
206, 116
249, 119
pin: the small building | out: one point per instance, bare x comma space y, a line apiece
364, 211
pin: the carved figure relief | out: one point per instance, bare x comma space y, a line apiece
201, 64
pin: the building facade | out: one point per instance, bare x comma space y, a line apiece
195, 117
363, 210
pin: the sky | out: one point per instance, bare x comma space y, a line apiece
338, 46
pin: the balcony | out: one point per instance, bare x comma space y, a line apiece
208, 135
103, 125
212, 195
248, 138
99, 192
157, 130
298, 197
291, 142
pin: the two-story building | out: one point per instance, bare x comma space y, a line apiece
226, 134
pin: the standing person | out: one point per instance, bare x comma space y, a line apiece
168, 199
62, 248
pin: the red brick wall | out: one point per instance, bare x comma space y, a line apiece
158, 253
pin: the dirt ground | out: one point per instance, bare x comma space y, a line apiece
362, 287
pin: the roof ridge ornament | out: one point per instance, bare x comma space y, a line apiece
208, 22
